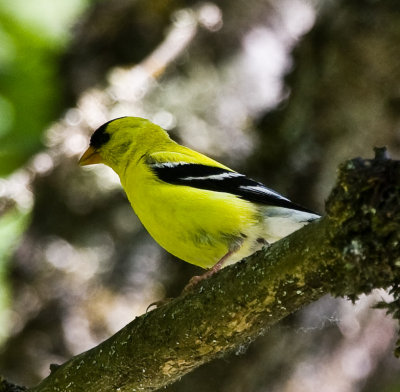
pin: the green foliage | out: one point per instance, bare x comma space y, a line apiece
30, 96
32, 36
12, 225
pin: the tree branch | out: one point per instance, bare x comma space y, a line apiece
350, 251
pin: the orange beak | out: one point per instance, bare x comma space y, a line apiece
90, 157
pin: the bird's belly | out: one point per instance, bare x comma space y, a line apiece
197, 226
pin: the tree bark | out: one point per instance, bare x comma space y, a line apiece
351, 250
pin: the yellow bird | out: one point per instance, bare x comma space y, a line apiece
196, 208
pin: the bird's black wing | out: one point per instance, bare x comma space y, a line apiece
218, 179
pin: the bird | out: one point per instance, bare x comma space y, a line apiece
196, 208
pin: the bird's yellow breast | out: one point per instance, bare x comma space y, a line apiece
198, 226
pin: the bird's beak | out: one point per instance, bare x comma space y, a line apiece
90, 157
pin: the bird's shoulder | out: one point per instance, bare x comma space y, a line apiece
184, 156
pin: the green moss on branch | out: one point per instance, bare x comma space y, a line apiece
350, 251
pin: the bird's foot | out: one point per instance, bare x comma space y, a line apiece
195, 280
159, 303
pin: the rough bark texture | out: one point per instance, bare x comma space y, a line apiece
350, 251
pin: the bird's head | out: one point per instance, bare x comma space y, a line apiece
122, 140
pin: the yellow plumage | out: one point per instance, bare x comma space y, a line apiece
180, 197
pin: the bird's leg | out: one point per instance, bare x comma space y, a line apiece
195, 280
215, 268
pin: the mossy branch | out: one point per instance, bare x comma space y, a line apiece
350, 251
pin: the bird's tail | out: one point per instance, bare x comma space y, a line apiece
280, 222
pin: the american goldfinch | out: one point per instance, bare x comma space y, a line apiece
196, 208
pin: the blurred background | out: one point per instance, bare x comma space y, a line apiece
283, 90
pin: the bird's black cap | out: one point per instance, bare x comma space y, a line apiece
100, 136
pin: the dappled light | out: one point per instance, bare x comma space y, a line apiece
283, 91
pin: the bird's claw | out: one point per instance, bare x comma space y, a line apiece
159, 303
